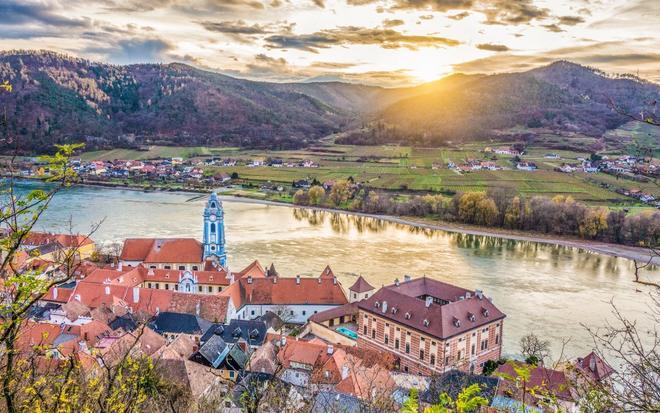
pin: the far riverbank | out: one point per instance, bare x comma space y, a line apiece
615, 250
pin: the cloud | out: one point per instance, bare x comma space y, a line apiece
320, 3
553, 28
615, 57
134, 50
393, 22
493, 47
459, 16
426, 17
22, 13
570, 20
332, 65
351, 35
234, 27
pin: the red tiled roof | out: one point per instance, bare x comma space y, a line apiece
404, 306
361, 286
540, 378
63, 295
255, 270
350, 309
167, 250
65, 240
285, 291
594, 367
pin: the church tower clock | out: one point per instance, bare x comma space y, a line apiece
214, 231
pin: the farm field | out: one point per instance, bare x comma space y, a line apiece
404, 169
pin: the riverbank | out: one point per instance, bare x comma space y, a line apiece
615, 250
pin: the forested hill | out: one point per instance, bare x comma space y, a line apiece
562, 97
58, 98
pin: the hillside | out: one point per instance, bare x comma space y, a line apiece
57, 98
562, 97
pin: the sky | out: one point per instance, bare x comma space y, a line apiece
377, 42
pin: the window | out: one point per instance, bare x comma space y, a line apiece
182, 267
497, 339
167, 286
153, 267
304, 312
396, 343
446, 360
387, 339
148, 285
459, 355
421, 354
484, 344
252, 312
365, 327
195, 268
231, 374
474, 349
433, 359
213, 228
373, 333
407, 348
167, 267
405, 368
354, 295
157, 286
210, 288
219, 288
212, 247
291, 312
331, 323
199, 288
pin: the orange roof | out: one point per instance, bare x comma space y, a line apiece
301, 352
255, 270
167, 250
65, 240
285, 291
63, 294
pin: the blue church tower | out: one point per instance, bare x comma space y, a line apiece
214, 231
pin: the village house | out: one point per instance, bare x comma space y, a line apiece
431, 326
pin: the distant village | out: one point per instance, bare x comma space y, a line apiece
220, 330
194, 173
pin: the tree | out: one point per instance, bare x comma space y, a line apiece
340, 192
411, 404
300, 197
316, 195
534, 349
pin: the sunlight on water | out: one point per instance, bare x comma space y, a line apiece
548, 289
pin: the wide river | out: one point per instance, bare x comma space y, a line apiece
547, 289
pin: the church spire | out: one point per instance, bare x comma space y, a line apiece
214, 231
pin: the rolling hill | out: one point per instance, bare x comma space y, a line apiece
58, 98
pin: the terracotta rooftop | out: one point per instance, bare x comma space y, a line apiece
65, 240
285, 291
452, 310
162, 250
540, 378
361, 286
593, 367
350, 309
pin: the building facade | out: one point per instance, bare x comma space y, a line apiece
431, 327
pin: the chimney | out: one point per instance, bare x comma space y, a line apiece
429, 301
406, 278
54, 293
119, 266
136, 294
249, 279
297, 279
331, 349
274, 279
479, 294
344, 372
334, 280
112, 264
383, 307
283, 341
107, 290
396, 282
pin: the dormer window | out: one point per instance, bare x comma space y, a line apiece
408, 316
395, 310
471, 317
377, 304
426, 323
484, 311
457, 322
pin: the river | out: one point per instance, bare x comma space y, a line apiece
548, 289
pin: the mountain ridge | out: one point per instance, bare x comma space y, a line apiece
57, 98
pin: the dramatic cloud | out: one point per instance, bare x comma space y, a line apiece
351, 35
393, 23
22, 12
570, 20
493, 47
236, 27
135, 50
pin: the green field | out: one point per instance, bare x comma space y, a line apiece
397, 168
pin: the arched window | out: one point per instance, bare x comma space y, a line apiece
213, 228
212, 204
